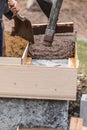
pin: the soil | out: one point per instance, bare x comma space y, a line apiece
73, 11
74, 106
15, 45
62, 47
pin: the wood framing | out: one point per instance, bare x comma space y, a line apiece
15, 60
20, 79
10, 61
84, 128
65, 27
24, 56
38, 82
77, 124
39, 128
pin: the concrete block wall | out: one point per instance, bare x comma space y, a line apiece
83, 109
33, 113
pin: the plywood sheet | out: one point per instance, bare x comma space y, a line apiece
38, 82
24, 56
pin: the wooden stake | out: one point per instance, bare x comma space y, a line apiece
76, 123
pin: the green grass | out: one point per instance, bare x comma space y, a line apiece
82, 55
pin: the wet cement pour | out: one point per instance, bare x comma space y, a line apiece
62, 47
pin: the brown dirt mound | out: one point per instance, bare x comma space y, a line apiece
15, 45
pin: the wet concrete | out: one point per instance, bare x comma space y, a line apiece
63, 47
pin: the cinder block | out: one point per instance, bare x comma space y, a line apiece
83, 109
33, 113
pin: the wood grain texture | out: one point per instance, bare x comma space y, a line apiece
15, 60
76, 123
84, 128
39, 128
10, 61
38, 82
24, 56
60, 28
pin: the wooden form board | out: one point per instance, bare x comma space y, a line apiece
83, 128
39, 128
65, 27
38, 82
24, 56
74, 62
38, 29
15, 60
77, 124
10, 61
19, 79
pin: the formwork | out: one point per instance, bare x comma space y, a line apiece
21, 79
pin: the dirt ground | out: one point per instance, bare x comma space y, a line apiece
15, 45
75, 11
71, 11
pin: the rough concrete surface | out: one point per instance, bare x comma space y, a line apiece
63, 47
83, 109
33, 113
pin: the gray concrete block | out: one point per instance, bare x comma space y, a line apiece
33, 113
83, 109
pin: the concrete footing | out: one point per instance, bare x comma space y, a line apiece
83, 109
33, 113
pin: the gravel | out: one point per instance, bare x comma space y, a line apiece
74, 106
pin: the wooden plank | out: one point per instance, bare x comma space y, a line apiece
24, 56
15, 60
76, 123
28, 61
61, 28
84, 128
74, 62
38, 82
10, 61
39, 128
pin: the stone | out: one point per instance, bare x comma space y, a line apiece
83, 109
28, 113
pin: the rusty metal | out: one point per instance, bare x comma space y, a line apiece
22, 25
23, 28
